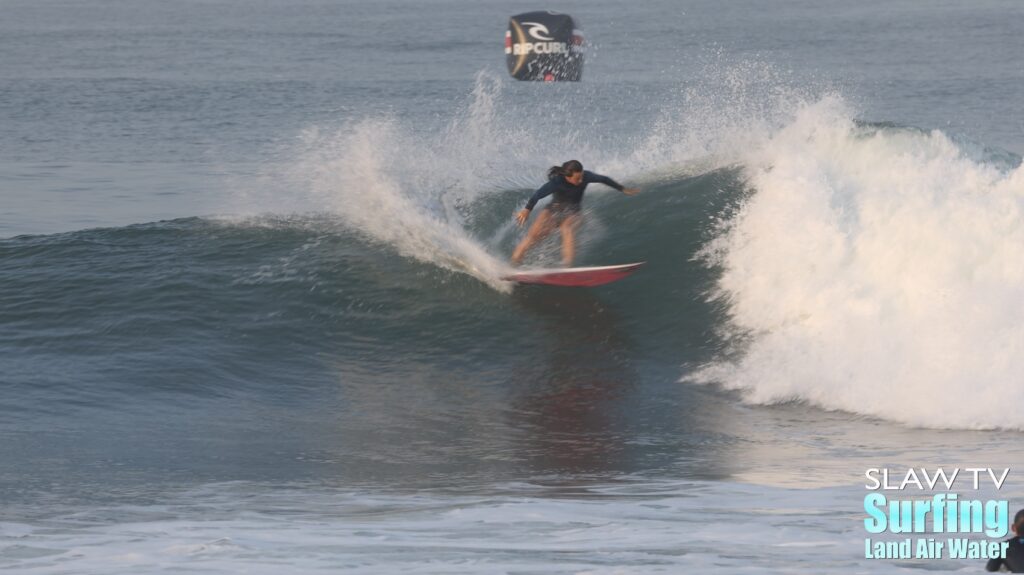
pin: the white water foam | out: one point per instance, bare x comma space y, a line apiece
878, 271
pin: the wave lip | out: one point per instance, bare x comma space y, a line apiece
878, 271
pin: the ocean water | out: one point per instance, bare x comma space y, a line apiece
251, 315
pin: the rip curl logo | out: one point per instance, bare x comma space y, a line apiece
538, 31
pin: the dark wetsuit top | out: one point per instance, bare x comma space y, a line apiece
566, 195
1014, 560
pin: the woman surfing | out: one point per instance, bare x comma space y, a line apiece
566, 183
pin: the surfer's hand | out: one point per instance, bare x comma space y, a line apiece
631, 191
522, 216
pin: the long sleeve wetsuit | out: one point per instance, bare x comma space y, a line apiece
567, 195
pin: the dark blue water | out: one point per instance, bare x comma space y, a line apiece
251, 315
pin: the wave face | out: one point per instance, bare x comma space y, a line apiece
876, 270
794, 253
866, 268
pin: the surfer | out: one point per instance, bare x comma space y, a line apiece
1014, 560
566, 183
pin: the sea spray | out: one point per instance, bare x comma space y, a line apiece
373, 184
418, 190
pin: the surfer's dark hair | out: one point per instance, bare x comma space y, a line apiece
566, 169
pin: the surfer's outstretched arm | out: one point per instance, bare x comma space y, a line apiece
591, 177
541, 193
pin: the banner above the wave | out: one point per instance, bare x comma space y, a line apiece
544, 46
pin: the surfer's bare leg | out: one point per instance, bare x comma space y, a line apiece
568, 229
538, 231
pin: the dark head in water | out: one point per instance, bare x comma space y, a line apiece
1012, 556
545, 46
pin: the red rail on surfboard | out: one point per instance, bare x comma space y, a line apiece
573, 277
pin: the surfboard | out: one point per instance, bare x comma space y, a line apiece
573, 277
